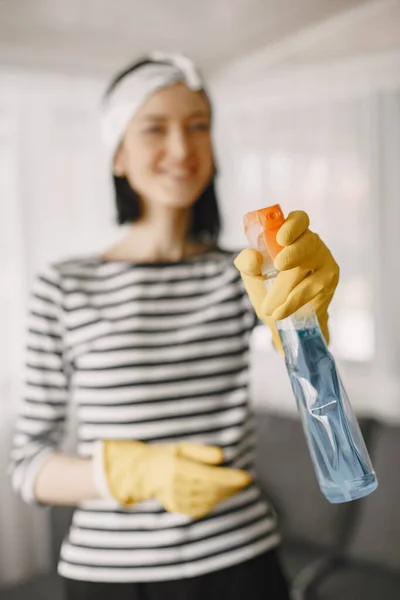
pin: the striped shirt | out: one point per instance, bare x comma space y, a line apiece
153, 352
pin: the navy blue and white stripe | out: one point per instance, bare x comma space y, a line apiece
154, 352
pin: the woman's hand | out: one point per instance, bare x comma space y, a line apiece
308, 273
184, 477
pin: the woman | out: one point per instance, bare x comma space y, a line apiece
150, 340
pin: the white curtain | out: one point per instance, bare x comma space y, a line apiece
55, 202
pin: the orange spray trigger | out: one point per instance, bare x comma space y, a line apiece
271, 219
261, 227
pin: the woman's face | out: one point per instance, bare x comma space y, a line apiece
166, 153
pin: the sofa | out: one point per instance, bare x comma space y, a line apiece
345, 551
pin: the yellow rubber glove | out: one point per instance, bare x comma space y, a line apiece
183, 476
308, 273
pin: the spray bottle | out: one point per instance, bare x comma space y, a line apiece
338, 452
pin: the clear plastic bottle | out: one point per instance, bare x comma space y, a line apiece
340, 457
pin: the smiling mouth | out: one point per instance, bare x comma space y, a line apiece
178, 175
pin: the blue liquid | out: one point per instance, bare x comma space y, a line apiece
337, 448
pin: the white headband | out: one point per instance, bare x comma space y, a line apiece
135, 88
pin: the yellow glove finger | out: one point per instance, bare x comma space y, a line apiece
225, 477
321, 302
211, 455
256, 291
205, 488
248, 263
209, 475
194, 506
295, 225
218, 494
122, 492
270, 322
200, 510
307, 290
196, 510
195, 495
206, 497
170, 501
283, 286
307, 251
323, 323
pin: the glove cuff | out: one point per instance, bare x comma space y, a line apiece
98, 471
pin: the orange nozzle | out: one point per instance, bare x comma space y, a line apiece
261, 227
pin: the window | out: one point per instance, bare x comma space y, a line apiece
316, 157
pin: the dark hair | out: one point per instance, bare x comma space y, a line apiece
205, 221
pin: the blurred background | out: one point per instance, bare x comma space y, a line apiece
307, 113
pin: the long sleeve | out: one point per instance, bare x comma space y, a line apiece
40, 424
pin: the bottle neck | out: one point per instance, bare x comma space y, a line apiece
269, 278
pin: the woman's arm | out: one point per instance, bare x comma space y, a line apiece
65, 479
39, 471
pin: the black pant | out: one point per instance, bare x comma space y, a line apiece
258, 579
